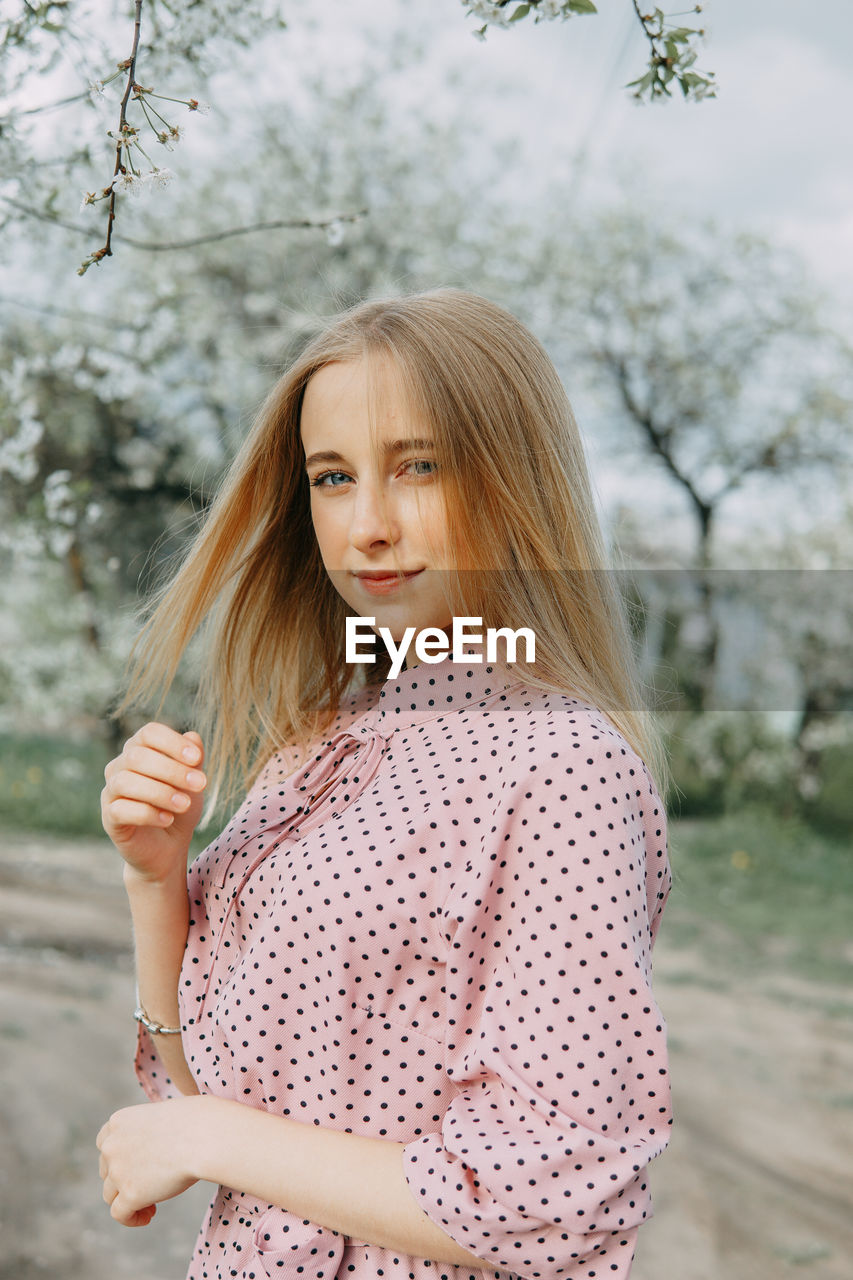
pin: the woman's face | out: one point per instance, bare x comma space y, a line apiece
349, 489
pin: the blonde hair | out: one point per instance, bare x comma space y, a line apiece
519, 507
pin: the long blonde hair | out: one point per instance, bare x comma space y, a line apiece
519, 506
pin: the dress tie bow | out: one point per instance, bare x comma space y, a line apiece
335, 778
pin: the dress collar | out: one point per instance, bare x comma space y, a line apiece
428, 690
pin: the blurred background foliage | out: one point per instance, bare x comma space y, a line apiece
708, 363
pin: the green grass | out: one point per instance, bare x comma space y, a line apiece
51, 785
756, 891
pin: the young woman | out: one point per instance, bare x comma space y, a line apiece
399, 1012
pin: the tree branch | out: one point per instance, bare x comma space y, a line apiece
654, 435
162, 246
47, 106
153, 246
76, 314
122, 125
671, 58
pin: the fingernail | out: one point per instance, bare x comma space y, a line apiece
180, 801
195, 778
190, 754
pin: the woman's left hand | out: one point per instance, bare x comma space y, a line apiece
147, 1154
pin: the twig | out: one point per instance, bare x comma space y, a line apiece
44, 217
668, 59
162, 246
214, 236
49, 106
644, 20
66, 313
122, 124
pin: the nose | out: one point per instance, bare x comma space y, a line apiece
374, 524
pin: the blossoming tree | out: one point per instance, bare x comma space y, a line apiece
165, 41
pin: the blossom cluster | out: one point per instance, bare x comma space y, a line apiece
126, 181
501, 15
672, 55
18, 451
130, 175
497, 14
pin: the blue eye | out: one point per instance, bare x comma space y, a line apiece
317, 482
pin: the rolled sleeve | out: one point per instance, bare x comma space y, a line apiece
150, 1072
554, 1038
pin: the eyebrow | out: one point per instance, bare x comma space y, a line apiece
389, 449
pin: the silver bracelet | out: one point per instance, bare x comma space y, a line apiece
156, 1028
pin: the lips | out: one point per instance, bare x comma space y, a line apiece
381, 582
386, 575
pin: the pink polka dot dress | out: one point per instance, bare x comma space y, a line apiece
438, 931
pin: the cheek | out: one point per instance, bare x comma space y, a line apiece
431, 523
326, 528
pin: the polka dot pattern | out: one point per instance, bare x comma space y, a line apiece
438, 930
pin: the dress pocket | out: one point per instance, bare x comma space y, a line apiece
389, 1022
287, 1246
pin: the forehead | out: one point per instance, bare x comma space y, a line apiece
365, 391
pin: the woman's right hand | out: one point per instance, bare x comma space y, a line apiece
152, 800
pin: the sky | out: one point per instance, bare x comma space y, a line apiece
773, 151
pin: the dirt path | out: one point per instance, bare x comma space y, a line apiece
757, 1183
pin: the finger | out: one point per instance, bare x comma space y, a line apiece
109, 1190
156, 797
121, 1211
132, 813
125, 1212
142, 1217
102, 1133
195, 740
127, 785
102, 1166
159, 765
161, 738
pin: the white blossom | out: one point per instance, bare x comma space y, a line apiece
59, 498
68, 357
127, 181
17, 453
553, 9
159, 177
59, 541
168, 137
137, 183
500, 15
